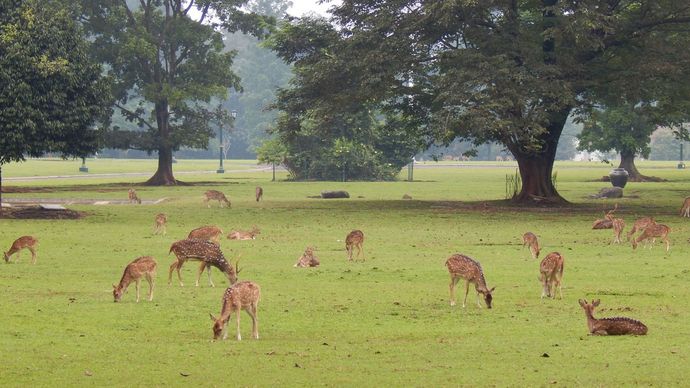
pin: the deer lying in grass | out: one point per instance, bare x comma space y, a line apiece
207, 252
354, 239
529, 240
461, 266
243, 234
241, 296
210, 233
653, 232
551, 269
640, 225
308, 259
216, 196
259, 193
605, 223
685, 209
142, 267
610, 326
28, 242
133, 197
159, 226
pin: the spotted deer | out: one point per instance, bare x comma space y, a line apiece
210, 233
308, 259
618, 226
354, 239
216, 196
207, 252
160, 223
461, 266
24, 242
606, 222
653, 232
640, 225
245, 296
551, 269
685, 209
133, 197
243, 234
259, 193
142, 267
610, 326
529, 240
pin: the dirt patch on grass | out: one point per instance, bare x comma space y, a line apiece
36, 213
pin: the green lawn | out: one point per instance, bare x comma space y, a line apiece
384, 321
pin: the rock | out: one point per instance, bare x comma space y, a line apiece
609, 192
407, 196
335, 194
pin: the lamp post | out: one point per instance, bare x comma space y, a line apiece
681, 165
221, 170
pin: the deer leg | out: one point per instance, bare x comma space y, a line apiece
543, 285
239, 336
453, 282
149, 278
225, 327
202, 266
255, 321
560, 288
138, 283
349, 253
177, 268
668, 243
170, 271
360, 249
467, 290
33, 255
479, 300
208, 270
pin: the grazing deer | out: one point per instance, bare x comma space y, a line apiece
640, 225
145, 267
243, 234
210, 233
216, 196
207, 252
160, 223
610, 326
259, 193
308, 259
354, 239
461, 266
685, 209
133, 197
551, 269
653, 232
529, 239
28, 242
245, 296
618, 226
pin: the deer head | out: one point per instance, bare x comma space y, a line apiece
218, 327
589, 307
488, 297
117, 293
7, 258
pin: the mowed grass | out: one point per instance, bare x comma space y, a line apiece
385, 320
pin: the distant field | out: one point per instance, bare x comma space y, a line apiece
384, 321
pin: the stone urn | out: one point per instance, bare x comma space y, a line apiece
619, 177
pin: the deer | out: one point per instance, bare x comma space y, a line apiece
243, 234
23, 242
159, 225
245, 296
208, 253
529, 240
133, 197
141, 267
653, 232
461, 266
551, 268
640, 225
216, 196
308, 259
354, 239
610, 326
618, 226
685, 209
210, 233
259, 193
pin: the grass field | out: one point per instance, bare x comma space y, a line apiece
383, 321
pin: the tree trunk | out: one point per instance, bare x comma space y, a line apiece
628, 163
0, 189
164, 174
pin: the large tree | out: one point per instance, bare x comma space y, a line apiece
509, 71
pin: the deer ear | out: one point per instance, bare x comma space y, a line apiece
492, 290
595, 303
212, 317
582, 302
114, 286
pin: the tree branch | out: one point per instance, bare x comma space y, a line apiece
136, 115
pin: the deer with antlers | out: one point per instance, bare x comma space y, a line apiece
259, 193
245, 296
208, 253
529, 240
640, 225
210, 233
653, 232
308, 259
618, 226
216, 196
354, 239
159, 225
24, 242
610, 326
685, 209
142, 267
243, 234
551, 269
133, 197
463, 267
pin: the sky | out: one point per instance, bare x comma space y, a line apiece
302, 7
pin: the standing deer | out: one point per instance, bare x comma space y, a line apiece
216, 196
243, 234
685, 209
245, 296
551, 269
610, 326
653, 232
133, 197
529, 239
640, 225
207, 252
259, 193
618, 226
145, 267
159, 226
354, 239
210, 233
28, 242
308, 259
461, 266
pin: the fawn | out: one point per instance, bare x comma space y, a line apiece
208, 253
610, 326
133, 197
160, 223
210, 233
653, 232
259, 193
245, 296
216, 196
308, 259
354, 239
28, 242
244, 235
461, 266
529, 239
551, 269
640, 225
145, 267
685, 209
